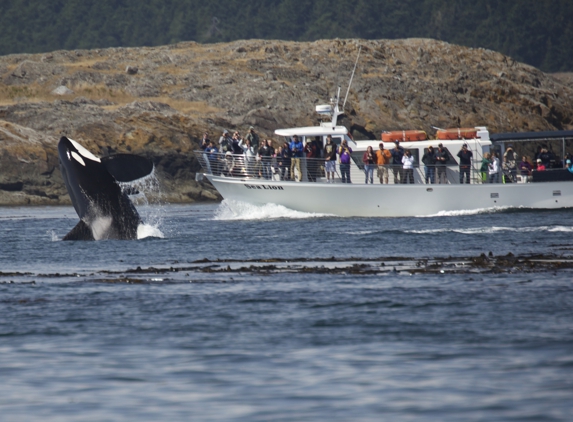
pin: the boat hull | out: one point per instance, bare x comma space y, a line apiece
355, 200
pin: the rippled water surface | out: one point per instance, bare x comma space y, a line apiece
86, 335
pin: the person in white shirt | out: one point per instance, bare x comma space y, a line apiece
408, 167
493, 167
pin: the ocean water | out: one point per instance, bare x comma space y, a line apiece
192, 322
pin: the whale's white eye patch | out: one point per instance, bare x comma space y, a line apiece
78, 158
84, 151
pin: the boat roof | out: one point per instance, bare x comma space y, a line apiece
322, 130
524, 136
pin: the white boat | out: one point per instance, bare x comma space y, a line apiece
550, 190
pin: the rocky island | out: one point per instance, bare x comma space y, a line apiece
158, 101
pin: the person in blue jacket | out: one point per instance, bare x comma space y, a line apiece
297, 152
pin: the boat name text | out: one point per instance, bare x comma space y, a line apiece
267, 187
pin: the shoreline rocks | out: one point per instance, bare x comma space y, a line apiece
157, 101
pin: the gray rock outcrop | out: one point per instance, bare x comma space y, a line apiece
178, 91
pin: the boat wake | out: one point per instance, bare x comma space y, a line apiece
459, 213
490, 230
237, 210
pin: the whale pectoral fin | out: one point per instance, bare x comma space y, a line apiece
80, 232
127, 167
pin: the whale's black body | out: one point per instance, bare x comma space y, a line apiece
105, 211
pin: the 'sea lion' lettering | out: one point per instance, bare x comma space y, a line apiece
266, 187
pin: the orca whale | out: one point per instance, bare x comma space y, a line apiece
105, 210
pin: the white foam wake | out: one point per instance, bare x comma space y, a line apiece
459, 213
237, 210
490, 230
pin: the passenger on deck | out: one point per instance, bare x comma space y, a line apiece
205, 141
297, 151
383, 157
236, 140
344, 153
230, 167
213, 156
253, 137
484, 169
429, 160
442, 158
311, 152
225, 142
540, 165
568, 166
494, 169
265, 153
249, 156
408, 170
284, 161
545, 157
465, 156
510, 163
397, 154
329, 159
525, 166
369, 160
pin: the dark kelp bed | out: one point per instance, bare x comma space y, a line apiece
177, 272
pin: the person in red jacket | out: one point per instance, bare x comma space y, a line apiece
369, 160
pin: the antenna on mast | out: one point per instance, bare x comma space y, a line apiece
351, 77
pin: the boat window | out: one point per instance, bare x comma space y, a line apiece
452, 161
336, 139
357, 158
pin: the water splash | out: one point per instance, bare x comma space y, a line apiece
146, 230
147, 195
237, 210
53, 236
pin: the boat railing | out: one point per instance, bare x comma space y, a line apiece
313, 170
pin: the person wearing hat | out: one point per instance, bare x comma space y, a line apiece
397, 155
568, 166
465, 156
442, 158
540, 165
